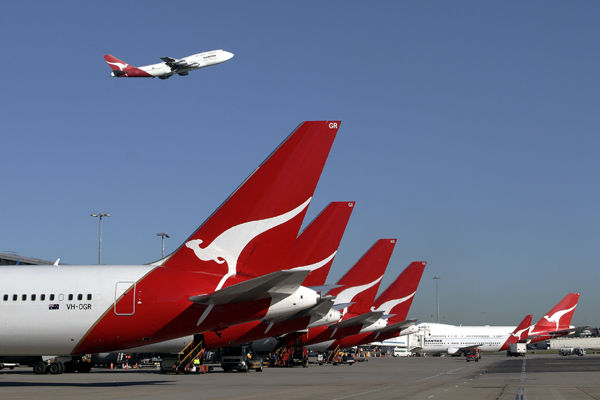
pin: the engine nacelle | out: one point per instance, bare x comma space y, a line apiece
301, 299
332, 317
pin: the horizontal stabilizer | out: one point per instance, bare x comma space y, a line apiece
279, 284
363, 319
566, 331
341, 306
118, 72
399, 325
324, 288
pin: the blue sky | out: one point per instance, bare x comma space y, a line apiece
469, 132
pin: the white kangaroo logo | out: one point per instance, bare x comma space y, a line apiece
390, 304
346, 295
227, 247
121, 66
315, 266
558, 315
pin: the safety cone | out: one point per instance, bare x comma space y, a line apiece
112, 366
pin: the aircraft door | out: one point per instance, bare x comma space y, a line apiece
125, 298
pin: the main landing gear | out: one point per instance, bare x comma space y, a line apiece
56, 366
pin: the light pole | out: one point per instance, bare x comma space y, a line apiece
100, 239
163, 235
437, 297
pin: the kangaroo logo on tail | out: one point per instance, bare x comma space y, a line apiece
555, 318
227, 247
121, 66
389, 305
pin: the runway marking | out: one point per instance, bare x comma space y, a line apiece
442, 373
360, 394
521, 389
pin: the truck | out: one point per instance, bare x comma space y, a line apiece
516, 350
241, 358
473, 355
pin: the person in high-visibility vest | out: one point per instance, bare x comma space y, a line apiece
197, 365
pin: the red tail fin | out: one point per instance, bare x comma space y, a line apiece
520, 333
120, 68
317, 245
361, 283
398, 297
559, 317
253, 231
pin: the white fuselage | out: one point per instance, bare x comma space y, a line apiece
442, 338
193, 62
49, 310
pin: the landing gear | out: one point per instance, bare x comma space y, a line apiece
56, 368
39, 368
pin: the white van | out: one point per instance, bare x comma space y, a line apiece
400, 352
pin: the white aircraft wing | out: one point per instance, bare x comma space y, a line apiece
176, 64
279, 284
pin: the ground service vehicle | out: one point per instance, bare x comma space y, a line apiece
516, 350
473, 355
241, 358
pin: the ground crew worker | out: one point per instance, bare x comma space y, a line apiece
197, 365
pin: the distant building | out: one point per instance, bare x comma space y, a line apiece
16, 259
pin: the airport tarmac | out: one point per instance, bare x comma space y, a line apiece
493, 377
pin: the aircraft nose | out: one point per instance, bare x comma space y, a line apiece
228, 55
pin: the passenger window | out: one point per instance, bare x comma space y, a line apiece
33, 297
80, 297
5, 297
24, 297
42, 297
15, 297
89, 297
70, 297
51, 297
61, 297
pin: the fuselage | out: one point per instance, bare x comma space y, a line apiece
92, 309
189, 63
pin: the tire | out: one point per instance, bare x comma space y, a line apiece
56, 368
39, 368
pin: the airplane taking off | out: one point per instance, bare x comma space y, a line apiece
229, 271
169, 67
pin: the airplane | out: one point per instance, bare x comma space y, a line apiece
394, 302
556, 322
352, 292
315, 250
169, 67
353, 296
451, 339
229, 271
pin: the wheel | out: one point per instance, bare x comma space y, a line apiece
39, 368
56, 368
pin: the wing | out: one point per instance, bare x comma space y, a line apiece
176, 64
363, 319
278, 284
